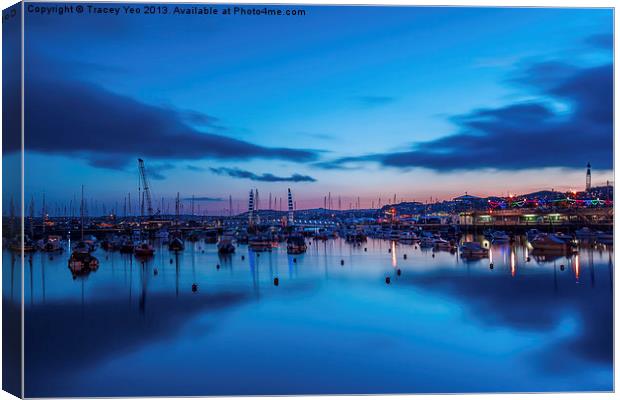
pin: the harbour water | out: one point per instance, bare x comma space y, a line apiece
331, 325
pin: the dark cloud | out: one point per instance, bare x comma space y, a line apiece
202, 198
109, 161
155, 171
541, 76
11, 87
523, 135
603, 41
195, 168
119, 162
239, 173
374, 101
84, 120
197, 118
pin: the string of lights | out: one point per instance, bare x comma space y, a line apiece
546, 202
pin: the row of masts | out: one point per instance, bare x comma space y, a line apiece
127, 207
146, 205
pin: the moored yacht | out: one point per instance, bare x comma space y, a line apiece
211, 236
442, 244
28, 246
473, 249
585, 234
550, 242
500, 237
427, 242
53, 244
144, 249
82, 264
296, 244
225, 244
531, 234
126, 245
176, 244
407, 237
260, 242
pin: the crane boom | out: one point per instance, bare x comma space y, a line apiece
145, 187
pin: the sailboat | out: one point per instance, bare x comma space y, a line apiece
81, 260
53, 244
176, 243
225, 244
296, 244
144, 249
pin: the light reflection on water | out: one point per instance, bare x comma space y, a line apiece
332, 325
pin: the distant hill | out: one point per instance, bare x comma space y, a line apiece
548, 194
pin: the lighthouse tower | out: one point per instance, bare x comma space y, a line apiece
588, 178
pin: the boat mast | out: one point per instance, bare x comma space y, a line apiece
32, 217
176, 209
82, 214
12, 218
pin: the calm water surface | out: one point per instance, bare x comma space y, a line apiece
444, 325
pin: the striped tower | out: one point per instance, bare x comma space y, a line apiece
251, 208
256, 206
290, 208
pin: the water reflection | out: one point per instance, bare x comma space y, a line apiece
538, 312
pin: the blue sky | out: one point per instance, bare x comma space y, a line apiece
366, 101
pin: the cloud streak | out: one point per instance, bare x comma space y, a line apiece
204, 199
195, 168
267, 177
